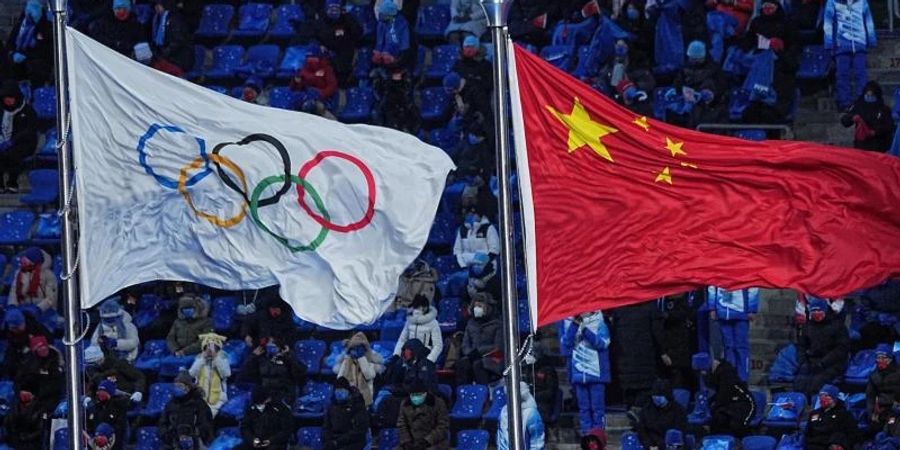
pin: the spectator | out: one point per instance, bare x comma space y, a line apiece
481, 359
678, 327
120, 30
116, 333
273, 319
104, 438
186, 421
192, 321
882, 388
661, 414
42, 374
100, 367
339, 33
546, 387
473, 65
316, 76
771, 32
732, 404
634, 21
585, 342
24, 425
31, 45
412, 366
595, 440
170, 40
700, 85
528, 20
741, 10
267, 422
849, 33
637, 335
423, 422
394, 92
273, 366
211, 369
422, 324
20, 328
253, 87
392, 37
822, 349
346, 424
18, 136
484, 278
408, 8
531, 418
466, 19
733, 310
633, 87
476, 235
872, 118
831, 426
360, 365
471, 103
891, 430
110, 408
34, 282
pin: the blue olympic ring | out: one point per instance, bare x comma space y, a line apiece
165, 181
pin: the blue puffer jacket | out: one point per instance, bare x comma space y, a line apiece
392, 36
587, 347
848, 26
733, 305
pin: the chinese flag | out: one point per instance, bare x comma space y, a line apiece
621, 209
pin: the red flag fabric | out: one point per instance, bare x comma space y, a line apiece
619, 208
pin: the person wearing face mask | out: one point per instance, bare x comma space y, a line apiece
423, 423
267, 422
316, 77
411, 366
170, 40
108, 407
595, 440
252, 90
100, 367
187, 420
422, 324
633, 20
476, 156
831, 426
273, 318
104, 438
212, 370
392, 37
119, 30
470, 103
483, 277
473, 66
346, 423
116, 332
24, 425
637, 338
732, 404
534, 425
184, 336
18, 135
733, 310
872, 119
19, 328
273, 365
701, 87
584, 341
882, 388
41, 373
481, 358
339, 33
394, 100
34, 282
849, 33
475, 235
822, 349
661, 414
466, 19
360, 365
30, 45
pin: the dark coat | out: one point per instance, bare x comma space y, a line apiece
188, 415
281, 375
119, 35
177, 46
341, 37
482, 336
17, 344
653, 421
424, 427
824, 346
24, 427
640, 49
877, 117
263, 325
834, 426
24, 141
786, 64
420, 369
274, 423
677, 318
732, 405
128, 378
43, 48
113, 412
882, 389
346, 424
44, 378
477, 72
637, 336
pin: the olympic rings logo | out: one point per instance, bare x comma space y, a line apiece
231, 174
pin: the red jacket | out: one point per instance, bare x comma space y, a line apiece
741, 10
319, 75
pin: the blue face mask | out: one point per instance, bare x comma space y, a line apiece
33, 10
180, 392
632, 14
621, 50
188, 312
417, 399
870, 98
660, 400
358, 351
473, 139
341, 395
471, 219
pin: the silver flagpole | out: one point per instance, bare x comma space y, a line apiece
74, 384
496, 15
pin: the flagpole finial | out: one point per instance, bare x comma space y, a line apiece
496, 12
58, 6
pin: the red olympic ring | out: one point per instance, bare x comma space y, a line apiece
370, 185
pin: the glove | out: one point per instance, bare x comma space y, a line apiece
707, 95
776, 44
640, 96
18, 58
137, 397
87, 402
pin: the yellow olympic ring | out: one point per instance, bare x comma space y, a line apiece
182, 187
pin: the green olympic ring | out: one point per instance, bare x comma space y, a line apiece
254, 211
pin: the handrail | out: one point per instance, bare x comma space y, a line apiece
786, 131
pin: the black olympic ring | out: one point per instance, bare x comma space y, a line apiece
285, 158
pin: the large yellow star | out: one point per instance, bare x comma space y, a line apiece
675, 147
584, 131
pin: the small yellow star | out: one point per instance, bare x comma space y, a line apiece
583, 130
675, 147
642, 122
685, 164
665, 176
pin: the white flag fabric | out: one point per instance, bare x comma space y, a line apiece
177, 182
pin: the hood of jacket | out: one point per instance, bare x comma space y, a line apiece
188, 301
417, 347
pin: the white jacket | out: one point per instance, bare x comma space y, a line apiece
46, 298
468, 242
425, 328
126, 345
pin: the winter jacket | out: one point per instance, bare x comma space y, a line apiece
733, 305
637, 339
392, 37
876, 116
534, 426
480, 238
185, 333
640, 48
17, 344
128, 378
346, 425
24, 426
339, 36
477, 72
119, 35
212, 377
786, 61
419, 369
834, 426
124, 333
482, 336
320, 76
175, 43
46, 293
113, 412
424, 427
43, 377
274, 423
587, 348
848, 26
653, 421
677, 315
882, 389
732, 404
263, 325
360, 372
281, 374
824, 345
39, 48
426, 329
466, 16
702, 76
188, 415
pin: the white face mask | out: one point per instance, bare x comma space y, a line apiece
417, 313
478, 311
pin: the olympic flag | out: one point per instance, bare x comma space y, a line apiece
177, 182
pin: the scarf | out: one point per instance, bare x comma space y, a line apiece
159, 28
351, 371
34, 284
211, 381
26, 37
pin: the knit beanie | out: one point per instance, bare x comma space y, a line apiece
696, 50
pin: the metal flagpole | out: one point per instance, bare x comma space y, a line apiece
496, 11
74, 384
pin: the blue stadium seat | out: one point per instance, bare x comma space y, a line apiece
758, 443
470, 400
236, 350
260, 61
388, 439
862, 364
170, 366
751, 134
44, 102
236, 92
391, 329
759, 403
419, 68
498, 401
44, 187
682, 397
220, 89
313, 401
310, 437
143, 12
214, 21
360, 101
15, 227
59, 439
444, 229
558, 55
365, 17
47, 152
445, 138
3, 267
718, 442
362, 66
293, 59
435, 103
285, 18
631, 441
336, 349
310, 353
151, 357
253, 20
384, 348
473, 439
48, 229
433, 21
7, 394
160, 394
815, 63
660, 102
443, 58
448, 314
238, 401
283, 98
224, 310
786, 411
199, 63
446, 265
227, 439
148, 438
226, 60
